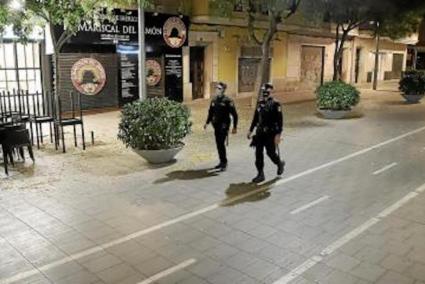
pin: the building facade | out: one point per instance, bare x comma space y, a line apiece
190, 48
301, 55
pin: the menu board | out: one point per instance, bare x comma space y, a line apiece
174, 76
173, 65
129, 77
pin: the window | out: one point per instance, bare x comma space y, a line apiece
239, 6
262, 8
20, 67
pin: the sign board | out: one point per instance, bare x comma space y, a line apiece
124, 28
88, 76
128, 73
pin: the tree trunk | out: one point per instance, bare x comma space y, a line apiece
335, 75
376, 68
339, 52
262, 72
264, 67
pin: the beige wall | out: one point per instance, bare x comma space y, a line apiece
367, 57
294, 48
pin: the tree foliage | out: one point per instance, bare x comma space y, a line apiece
397, 19
4, 14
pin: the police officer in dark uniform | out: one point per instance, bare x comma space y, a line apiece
268, 122
221, 109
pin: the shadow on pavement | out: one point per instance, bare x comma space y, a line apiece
306, 124
399, 103
188, 175
163, 165
247, 192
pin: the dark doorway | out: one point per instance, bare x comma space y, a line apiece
312, 65
398, 60
197, 66
357, 66
248, 68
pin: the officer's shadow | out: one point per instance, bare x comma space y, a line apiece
189, 175
247, 192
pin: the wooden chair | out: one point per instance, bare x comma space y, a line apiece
73, 118
42, 114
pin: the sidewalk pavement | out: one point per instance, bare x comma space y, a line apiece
104, 216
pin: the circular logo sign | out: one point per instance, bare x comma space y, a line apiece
153, 72
88, 76
175, 32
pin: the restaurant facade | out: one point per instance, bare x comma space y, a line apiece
101, 62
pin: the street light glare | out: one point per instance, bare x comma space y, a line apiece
16, 5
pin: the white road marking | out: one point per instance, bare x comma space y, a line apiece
309, 205
309, 263
386, 168
353, 155
96, 249
169, 271
421, 189
297, 272
35, 271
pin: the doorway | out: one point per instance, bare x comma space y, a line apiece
312, 65
357, 65
397, 69
197, 74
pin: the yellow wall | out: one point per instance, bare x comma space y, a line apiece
228, 55
279, 62
200, 7
228, 51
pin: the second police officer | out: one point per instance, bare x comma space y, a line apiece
221, 109
268, 122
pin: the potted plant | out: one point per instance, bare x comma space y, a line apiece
335, 99
412, 86
155, 128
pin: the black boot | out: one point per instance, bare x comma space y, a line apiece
280, 168
222, 167
259, 178
217, 167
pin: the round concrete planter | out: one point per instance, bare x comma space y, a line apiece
159, 156
412, 98
333, 114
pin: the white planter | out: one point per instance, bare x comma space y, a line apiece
333, 114
159, 156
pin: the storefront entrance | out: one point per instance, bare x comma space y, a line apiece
398, 60
197, 71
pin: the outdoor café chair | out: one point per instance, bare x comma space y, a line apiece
73, 117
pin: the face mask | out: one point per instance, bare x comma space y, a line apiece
219, 92
266, 94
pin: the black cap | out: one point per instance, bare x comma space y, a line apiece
267, 87
222, 84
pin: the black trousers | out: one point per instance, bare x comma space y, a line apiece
220, 140
265, 141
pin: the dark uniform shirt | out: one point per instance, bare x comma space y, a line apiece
221, 108
268, 118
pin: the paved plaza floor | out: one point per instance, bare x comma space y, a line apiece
350, 207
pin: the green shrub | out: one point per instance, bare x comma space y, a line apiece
337, 95
413, 83
154, 124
